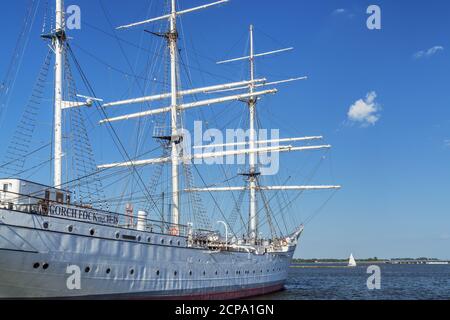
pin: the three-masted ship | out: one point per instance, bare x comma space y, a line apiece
54, 246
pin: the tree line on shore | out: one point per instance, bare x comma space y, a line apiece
373, 259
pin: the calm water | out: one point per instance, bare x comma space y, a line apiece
343, 283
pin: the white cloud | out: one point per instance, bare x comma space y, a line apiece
339, 11
343, 12
428, 53
447, 143
365, 111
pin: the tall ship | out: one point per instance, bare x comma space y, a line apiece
157, 237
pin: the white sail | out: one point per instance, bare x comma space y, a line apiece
351, 261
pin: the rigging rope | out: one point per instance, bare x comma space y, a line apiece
7, 85
83, 160
19, 145
115, 137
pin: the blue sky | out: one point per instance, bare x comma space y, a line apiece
395, 171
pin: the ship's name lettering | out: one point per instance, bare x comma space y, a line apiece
83, 214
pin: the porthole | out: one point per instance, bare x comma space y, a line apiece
170, 242
204, 272
162, 241
157, 272
87, 269
108, 271
190, 273
36, 265
45, 225
132, 271
149, 239
45, 266
92, 232
70, 228
175, 273
227, 272
117, 235
139, 238
179, 243
216, 273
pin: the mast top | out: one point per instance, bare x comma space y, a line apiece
253, 55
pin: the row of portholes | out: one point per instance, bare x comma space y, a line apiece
69, 228
91, 231
45, 266
171, 242
117, 235
108, 270
226, 272
175, 273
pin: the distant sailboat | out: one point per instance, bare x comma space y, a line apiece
351, 261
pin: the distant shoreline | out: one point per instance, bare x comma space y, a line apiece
374, 261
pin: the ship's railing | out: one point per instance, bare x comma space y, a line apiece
71, 211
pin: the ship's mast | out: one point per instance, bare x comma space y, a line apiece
175, 107
172, 38
58, 45
253, 219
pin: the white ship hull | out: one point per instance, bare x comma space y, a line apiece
150, 266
